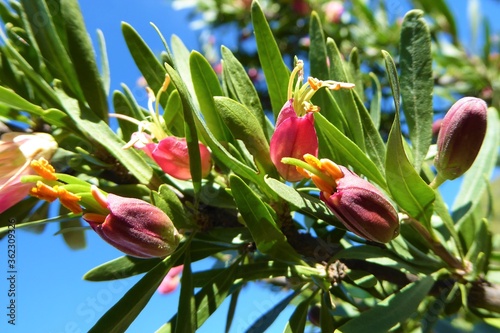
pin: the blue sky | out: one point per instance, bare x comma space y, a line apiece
52, 297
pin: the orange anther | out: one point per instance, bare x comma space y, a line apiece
43, 168
44, 192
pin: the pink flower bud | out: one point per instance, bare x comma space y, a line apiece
134, 226
357, 203
294, 136
172, 156
17, 150
460, 137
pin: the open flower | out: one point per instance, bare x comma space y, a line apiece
460, 137
357, 203
133, 226
295, 134
17, 151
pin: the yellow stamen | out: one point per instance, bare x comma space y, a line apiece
44, 192
303, 172
314, 83
100, 197
69, 200
331, 168
312, 161
166, 82
323, 185
43, 168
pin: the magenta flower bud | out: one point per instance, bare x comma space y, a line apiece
134, 226
358, 204
172, 156
461, 135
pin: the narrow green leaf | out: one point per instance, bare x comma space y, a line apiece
120, 268
49, 42
181, 57
244, 126
217, 149
121, 105
375, 147
174, 114
123, 313
345, 98
355, 73
396, 308
169, 202
475, 181
375, 104
99, 131
325, 314
144, 58
392, 75
73, 234
304, 202
274, 68
189, 129
317, 50
209, 298
232, 308
83, 58
408, 189
297, 322
206, 87
333, 139
103, 56
266, 234
186, 305
241, 86
417, 83
266, 320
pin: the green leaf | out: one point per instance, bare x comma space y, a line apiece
334, 142
169, 202
392, 75
375, 147
475, 181
123, 313
73, 234
52, 116
396, 308
355, 73
304, 202
189, 129
417, 83
345, 97
206, 87
218, 150
317, 50
275, 70
144, 58
408, 189
174, 114
121, 105
263, 322
209, 298
99, 131
83, 58
241, 87
232, 308
121, 268
127, 266
244, 126
375, 104
186, 304
266, 234
297, 322
103, 56
325, 314
50, 44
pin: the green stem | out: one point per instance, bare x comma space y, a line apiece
437, 181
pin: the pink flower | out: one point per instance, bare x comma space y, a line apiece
171, 280
17, 150
333, 11
172, 156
